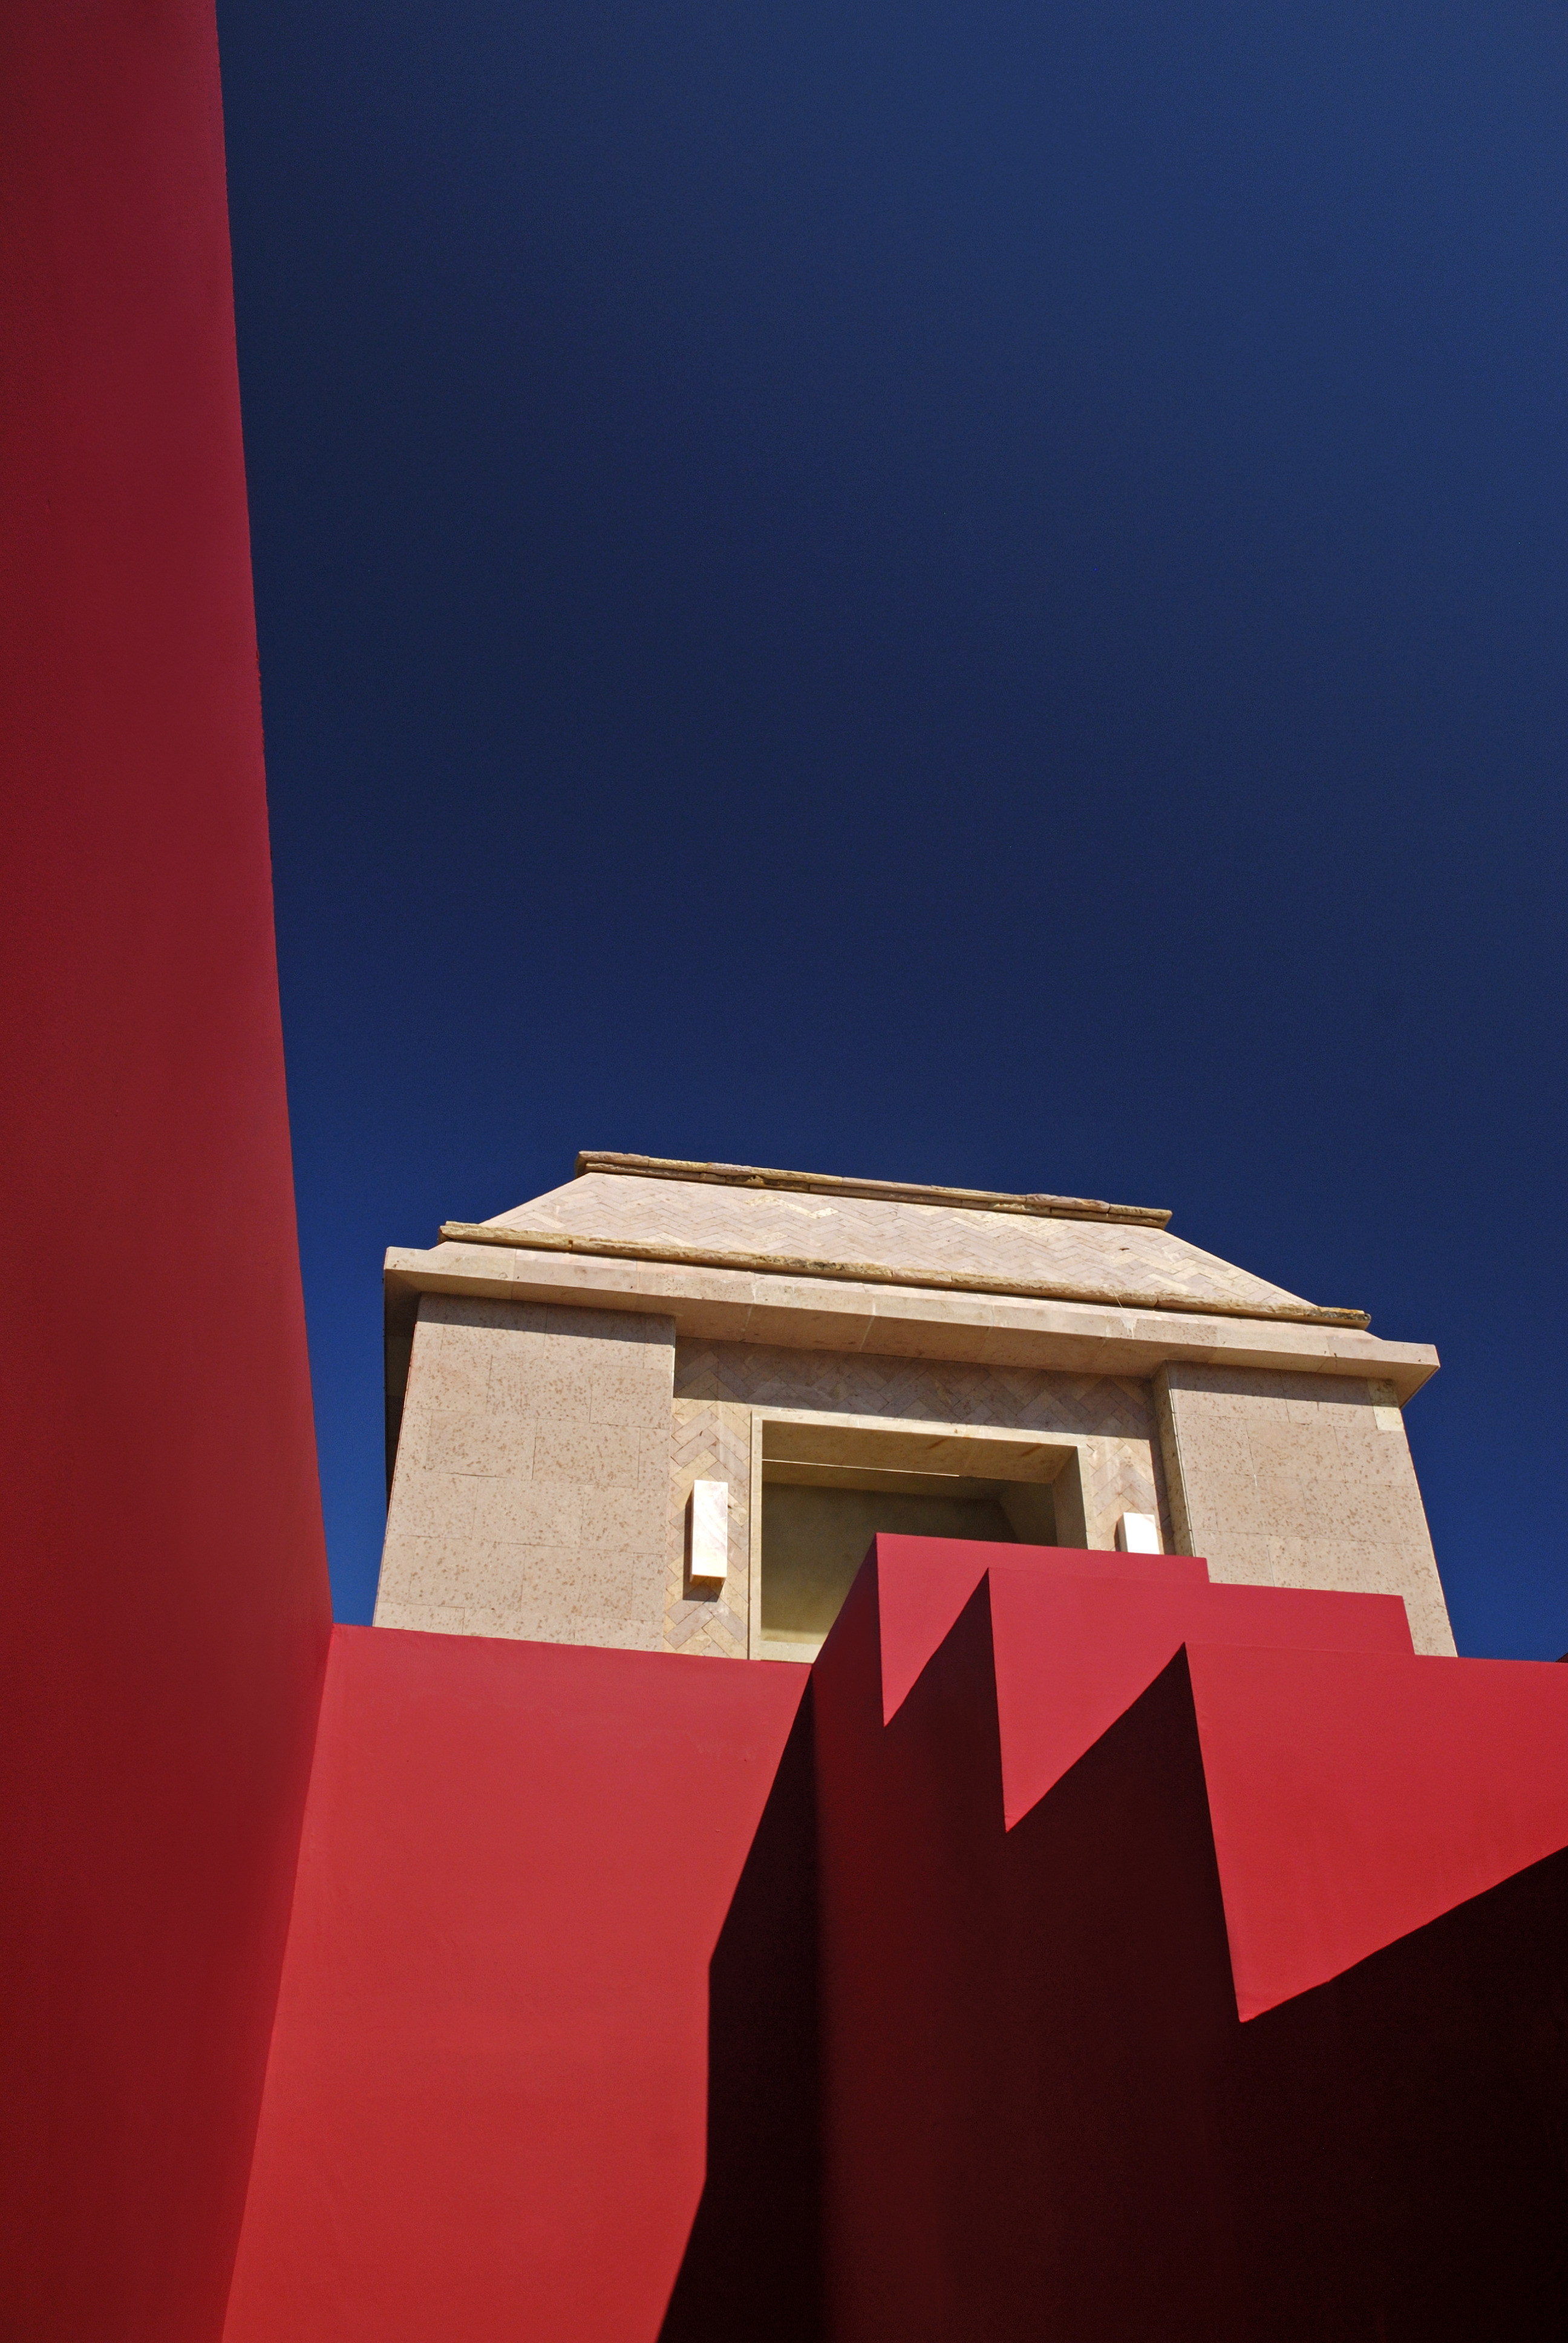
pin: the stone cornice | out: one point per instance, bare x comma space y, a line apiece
887, 1192
863, 1272
814, 1312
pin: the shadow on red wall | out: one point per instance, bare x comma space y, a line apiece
753, 2266
1041, 2109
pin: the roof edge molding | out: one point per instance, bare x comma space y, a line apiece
861, 1272
895, 1192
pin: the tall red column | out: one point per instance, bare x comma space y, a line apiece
165, 1608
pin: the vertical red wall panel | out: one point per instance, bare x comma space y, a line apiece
165, 1611
485, 2110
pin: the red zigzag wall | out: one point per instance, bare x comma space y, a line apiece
1192, 1963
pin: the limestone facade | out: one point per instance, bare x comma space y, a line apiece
553, 1415
1292, 1480
531, 1492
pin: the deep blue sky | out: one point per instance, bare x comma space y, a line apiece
967, 592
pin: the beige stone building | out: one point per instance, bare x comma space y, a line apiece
667, 1405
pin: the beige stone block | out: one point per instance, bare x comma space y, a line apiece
425, 1618
620, 1517
1356, 1442
548, 1588
623, 1635
1381, 1570
431, 1504
630, 1387
590, 1455
581, 1593
566, 1582
640, 1570
518, 1513
1067, 1334
1357, 1522
922, 1334
448, 1370
1298, 1503
1376, 1460
500, 1625
1219, 1439
543, 1375
1349, 1567
1295, 1447
1228, 1503
1329, 1563
1334, 1500
653, 1457
652, 1328
655, 1328
515, 1322
1241, 1558
1342, 1401
478, 1571
410, 1565
492, 1313
1389, 1519
475, 1442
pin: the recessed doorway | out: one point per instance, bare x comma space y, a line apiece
829, 1487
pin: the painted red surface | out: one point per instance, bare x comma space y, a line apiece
485, 2107
1041, 2109
165, 1610
925, 1583
1355, 1799
1073, 1654
1080, 1635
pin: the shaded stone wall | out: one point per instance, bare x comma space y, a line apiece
1294, 1480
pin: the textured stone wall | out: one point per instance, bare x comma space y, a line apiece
1293, 1480
548, 1455
532, 1486
711, 1441
719, 1386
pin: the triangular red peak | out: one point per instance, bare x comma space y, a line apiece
1356, 1796
922, 1585
1072, 1654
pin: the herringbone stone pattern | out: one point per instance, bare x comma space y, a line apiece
1095, 1257
1115, 1419
1125, 1477
709, 1441
1025, 1398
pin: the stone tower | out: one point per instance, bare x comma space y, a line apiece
666, 1406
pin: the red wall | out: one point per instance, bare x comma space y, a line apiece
485, 2110
1047, 2105
165, 1608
